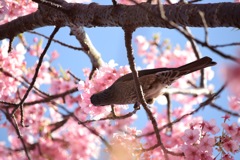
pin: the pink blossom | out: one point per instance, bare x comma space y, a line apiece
231, 74
54, 55
227, 157
237, 135
230, 129
102, 78
13, 65
143, 45
17, 8
3, 9
206, 155
36, 48
133, 131
231, 146
226, 117
234, 103
211, 126
206, 144
191, 152
191, 136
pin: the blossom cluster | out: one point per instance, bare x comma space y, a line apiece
12, 66
102, 79
197, 141
11, 9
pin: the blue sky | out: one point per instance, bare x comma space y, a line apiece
110, 43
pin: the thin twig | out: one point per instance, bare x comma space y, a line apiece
93, 131
10, 44
52, 97
13, 121
37, 70
226, 45
205, 26
112, 117
22, 116
201, 105
196, 52
193, 43
213, 105
75, 77
57, 41
113, 111
169, 112
128, 38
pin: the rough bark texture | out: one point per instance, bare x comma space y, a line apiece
143, 15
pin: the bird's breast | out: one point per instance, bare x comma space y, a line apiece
152, 86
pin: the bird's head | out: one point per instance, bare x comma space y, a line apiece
96, 99
103, 98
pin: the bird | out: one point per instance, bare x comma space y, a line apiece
123, 91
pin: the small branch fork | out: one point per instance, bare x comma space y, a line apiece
14, 123
128, 38
36, 71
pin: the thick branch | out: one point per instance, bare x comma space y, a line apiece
142, 15
89, 48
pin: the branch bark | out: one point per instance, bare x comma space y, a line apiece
142, 15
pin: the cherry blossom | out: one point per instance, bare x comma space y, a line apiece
211, 126
230, 129
16, 8
3, 9
234, 103
230, 73
102, 79
12, 65
191, 152
54, 55
191, 136
206, 144
231, 146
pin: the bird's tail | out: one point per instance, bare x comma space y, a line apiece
196, 65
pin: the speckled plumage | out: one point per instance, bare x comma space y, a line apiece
122, 91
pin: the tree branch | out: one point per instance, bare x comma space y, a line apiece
142, 15
89, 48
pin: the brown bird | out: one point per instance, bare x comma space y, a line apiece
123, 91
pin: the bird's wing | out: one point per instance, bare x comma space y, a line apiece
141, 73
167, 77
185, 69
